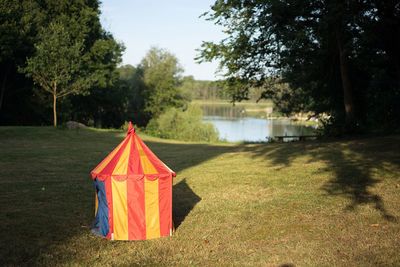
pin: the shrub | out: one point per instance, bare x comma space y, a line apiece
182, 125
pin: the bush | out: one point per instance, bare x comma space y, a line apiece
182, 125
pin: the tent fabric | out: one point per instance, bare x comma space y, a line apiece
100, 225
132, 159
137, 192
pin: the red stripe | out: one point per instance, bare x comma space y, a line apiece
108, 189
136, 210
165, 205
108, 170
134, 159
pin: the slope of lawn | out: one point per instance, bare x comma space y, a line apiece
304, 204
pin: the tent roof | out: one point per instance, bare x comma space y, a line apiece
131, 159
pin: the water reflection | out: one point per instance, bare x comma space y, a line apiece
233, 124
225, 111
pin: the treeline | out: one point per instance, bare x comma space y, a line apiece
203, 90
339, 58
217, 90
57, 64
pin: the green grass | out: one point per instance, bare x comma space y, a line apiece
333, 203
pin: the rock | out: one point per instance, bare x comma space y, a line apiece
75, 125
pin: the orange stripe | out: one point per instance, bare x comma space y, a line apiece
147, 166
152, 210
120, 209
165, 205
122, 165
109, 168
157, 164
96, 203
105, 161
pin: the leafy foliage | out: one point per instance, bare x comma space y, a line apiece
62, 65
66, 48
56, 64
161, 75
182, 125
111, 106
338, 57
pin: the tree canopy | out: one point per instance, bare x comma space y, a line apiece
161, 73
338, 57
60, 45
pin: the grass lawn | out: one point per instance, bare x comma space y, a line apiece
317, 203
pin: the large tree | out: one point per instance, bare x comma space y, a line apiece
72, 53
121, 101
161, 75
327, 51
19, 21
23, 27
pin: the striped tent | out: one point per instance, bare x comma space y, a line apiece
133, 193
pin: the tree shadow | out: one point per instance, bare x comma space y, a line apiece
184, 200
353, 163
180, 157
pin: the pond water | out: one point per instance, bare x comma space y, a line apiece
233, 124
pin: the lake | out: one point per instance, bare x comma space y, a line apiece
234, 124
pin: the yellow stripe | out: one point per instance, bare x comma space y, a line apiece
151, 208
105, 161
122, 165
147, 166
120, 209
96, 203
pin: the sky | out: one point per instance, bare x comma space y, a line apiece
173, 25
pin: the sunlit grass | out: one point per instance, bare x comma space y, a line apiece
307, 204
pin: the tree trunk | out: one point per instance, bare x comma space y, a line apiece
3, 87
55, 110
55, 104
346, 83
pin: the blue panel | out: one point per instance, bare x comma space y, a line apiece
100, 225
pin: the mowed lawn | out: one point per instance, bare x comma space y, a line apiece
331, 203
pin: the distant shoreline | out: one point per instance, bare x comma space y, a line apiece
262, 109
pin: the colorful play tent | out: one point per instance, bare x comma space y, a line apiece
133, 193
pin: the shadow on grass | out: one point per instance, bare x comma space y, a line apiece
184, 200
353, 163
180, 157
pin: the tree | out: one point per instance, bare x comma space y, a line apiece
161, 74
18, 24
326, 51
56, 64
113, 105
60, 66
22, 26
